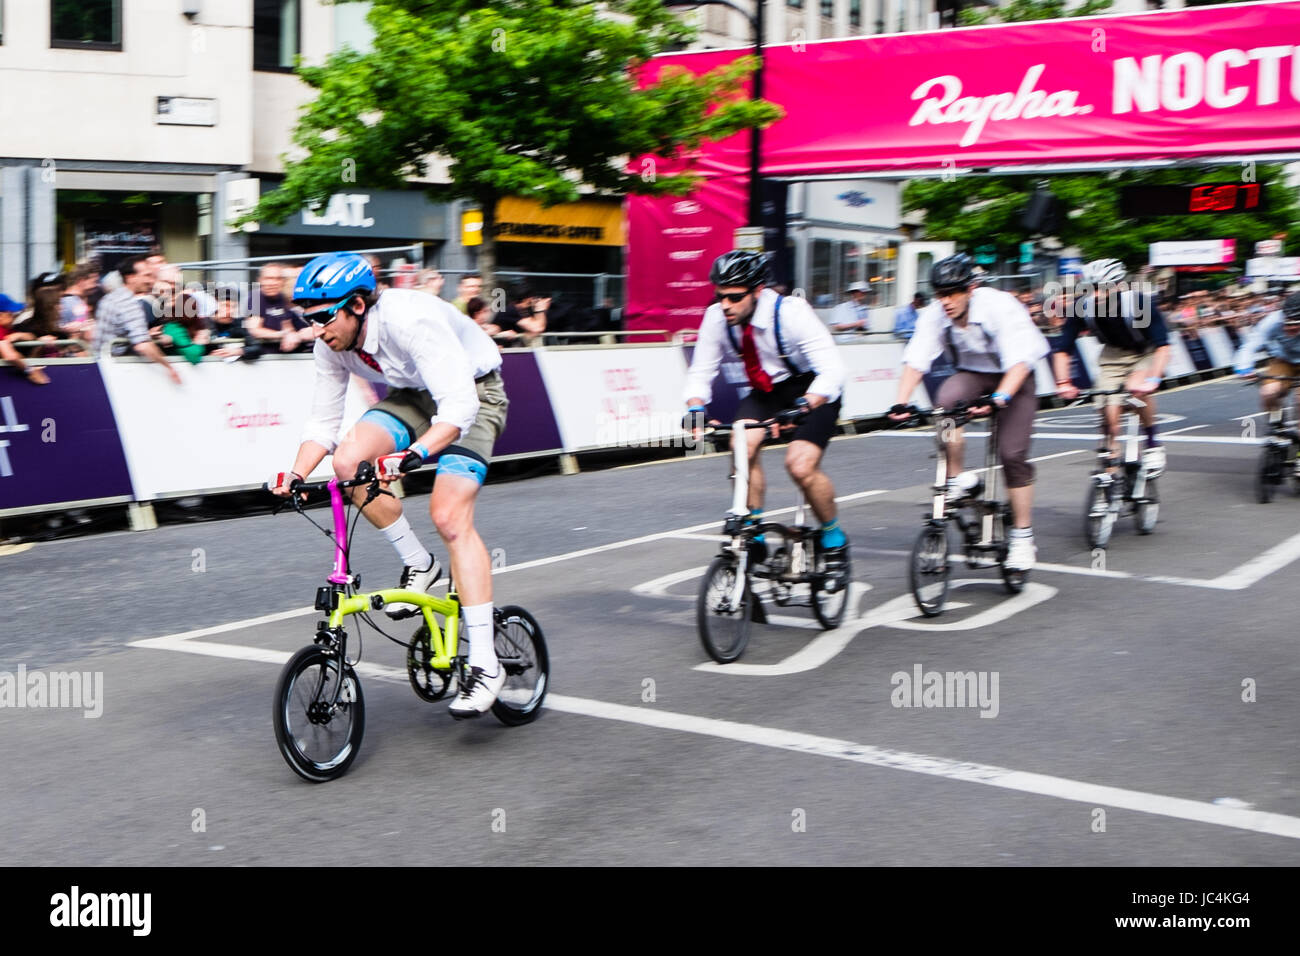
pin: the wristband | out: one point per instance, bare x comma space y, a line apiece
420, 450
1153, 378
1064, 382
695, 408
1001, 395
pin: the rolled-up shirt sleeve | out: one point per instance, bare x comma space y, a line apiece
707, 357
327, 402
924, 345
1256, 340
1018, 339
444, 367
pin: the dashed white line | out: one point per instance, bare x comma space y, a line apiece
1062, 788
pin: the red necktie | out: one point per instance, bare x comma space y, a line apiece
753, 367
369, 360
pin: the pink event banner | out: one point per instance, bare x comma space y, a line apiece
1194, 82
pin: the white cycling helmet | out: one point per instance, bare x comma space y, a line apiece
1104, 272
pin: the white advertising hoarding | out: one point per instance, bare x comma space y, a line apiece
227, 426
871, 380
1201, 252
615, 397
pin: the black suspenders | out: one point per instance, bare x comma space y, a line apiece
780, 342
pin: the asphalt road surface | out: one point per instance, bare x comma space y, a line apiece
1142, 713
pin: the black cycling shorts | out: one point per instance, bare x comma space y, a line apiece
817, 427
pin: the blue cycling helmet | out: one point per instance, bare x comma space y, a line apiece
334, 277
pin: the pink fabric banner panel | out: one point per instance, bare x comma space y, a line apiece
1195, 82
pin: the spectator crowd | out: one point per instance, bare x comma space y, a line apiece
143, 306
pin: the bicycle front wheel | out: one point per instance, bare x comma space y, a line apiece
1148, 512
829, 606
319, 735
723, 624
1270, 468
1098, 517
928, 574
521, 650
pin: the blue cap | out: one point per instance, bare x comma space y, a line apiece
10, 305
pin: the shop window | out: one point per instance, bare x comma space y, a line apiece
819, 276
275, 34
828, 9
850, 256
882, 273
796, 4
86, 24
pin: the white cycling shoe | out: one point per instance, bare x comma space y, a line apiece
478, 693
413, 579
1154, 460
1021, 555
965, 485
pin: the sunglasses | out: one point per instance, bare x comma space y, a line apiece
732, 297
326, 316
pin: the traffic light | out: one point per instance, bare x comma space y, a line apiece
1042, 214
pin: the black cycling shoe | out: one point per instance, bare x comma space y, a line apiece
757, 552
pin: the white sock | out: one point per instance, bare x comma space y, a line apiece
407, 545
1022, 532
478, 631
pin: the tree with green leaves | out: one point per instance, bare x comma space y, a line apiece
531, 98
1018, 11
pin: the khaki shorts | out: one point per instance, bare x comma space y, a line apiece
415, 407
1282, 369
1114, 368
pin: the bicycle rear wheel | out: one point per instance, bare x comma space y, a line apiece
1270, 473
318, 740
1098, 517
521, 650
724, 629
929, 570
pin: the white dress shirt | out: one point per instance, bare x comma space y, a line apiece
999, 334
412, 349
478, 345
807, 341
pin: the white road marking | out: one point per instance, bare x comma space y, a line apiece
1062, 788
900, 612
1095, 437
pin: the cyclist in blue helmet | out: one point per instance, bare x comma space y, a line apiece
444, 403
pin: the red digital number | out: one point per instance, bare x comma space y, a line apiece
1252, 195
1200, 201
1213, 198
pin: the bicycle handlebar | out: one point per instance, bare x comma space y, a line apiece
786, 417
961, 410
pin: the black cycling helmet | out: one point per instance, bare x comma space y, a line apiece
1291, 308
739, 267
954, 273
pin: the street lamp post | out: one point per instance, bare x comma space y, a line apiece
756, 23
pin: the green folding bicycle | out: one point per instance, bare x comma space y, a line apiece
320, 711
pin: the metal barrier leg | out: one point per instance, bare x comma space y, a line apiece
141, 516
569, 464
